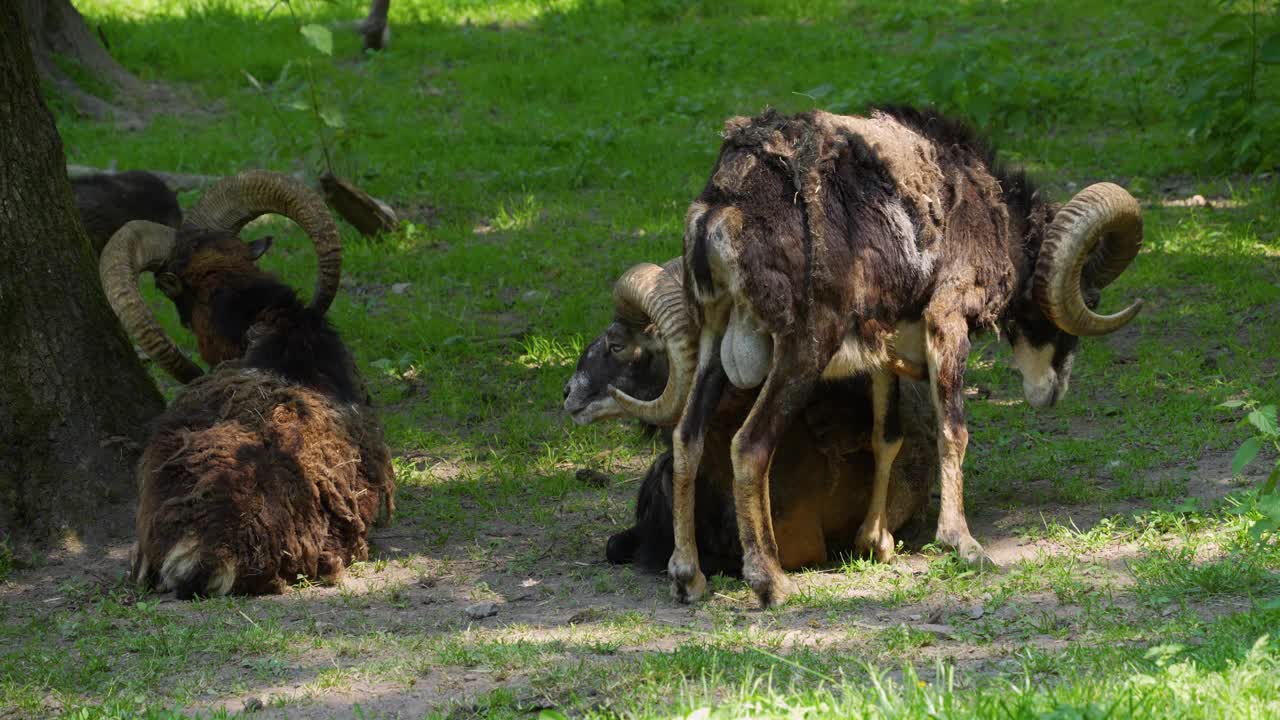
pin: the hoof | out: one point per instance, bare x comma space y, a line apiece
877, 543
688, 584
969, 550
767, 580
773, 592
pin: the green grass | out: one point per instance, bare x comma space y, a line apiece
536, 150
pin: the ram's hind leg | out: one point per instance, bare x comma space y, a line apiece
947, 350
784, 395
688, 582
874, 536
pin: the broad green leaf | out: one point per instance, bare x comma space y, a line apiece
333, 118
1264, 418
319, 37
1221, 24
1247, 452
1231, 404
1270, 51
1236, 44
1270, 485
1269, 506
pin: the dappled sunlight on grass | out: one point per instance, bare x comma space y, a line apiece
542, 352
538, 148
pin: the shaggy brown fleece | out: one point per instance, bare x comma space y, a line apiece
250, 482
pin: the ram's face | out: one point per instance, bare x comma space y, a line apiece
206, 259
1045, 368
205, 269
1043, 354
626, 358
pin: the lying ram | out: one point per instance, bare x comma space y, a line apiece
271, 467
825, 246
106, 201
823, 462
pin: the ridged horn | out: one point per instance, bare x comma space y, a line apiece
236, 200
142, 246
1093, 238
647, 291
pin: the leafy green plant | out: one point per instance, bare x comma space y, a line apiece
319, 37
1227, 111
331, 127
394, 368
1266, 429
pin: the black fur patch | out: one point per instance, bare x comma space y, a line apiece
650, 542
643, 376
106, 201
701, 265
234, 308
298, 343
893, 419
708, 388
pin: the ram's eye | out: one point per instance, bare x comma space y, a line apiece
615, 348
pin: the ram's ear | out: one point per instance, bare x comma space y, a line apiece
259, 247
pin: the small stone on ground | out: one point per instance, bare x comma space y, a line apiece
480, 611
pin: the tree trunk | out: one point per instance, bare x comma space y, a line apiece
55, 29
74, 401
374, 28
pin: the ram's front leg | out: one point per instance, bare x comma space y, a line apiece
784, 395
947, 350
886, 440
688, 582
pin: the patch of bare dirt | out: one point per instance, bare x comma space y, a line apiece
550, 584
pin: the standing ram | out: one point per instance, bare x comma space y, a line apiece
824, 246
823, 463
271, 467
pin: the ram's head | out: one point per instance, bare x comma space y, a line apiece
631, 354
204, 266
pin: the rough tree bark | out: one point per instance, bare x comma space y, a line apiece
374, 27
74, 401
56, 29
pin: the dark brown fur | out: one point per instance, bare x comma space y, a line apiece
831, 229
273, 466
823, 466
824, 459
836, 262
268, 477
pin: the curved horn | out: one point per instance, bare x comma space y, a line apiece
647, 291
674, 269
137, 247
1102, 216
234, 201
